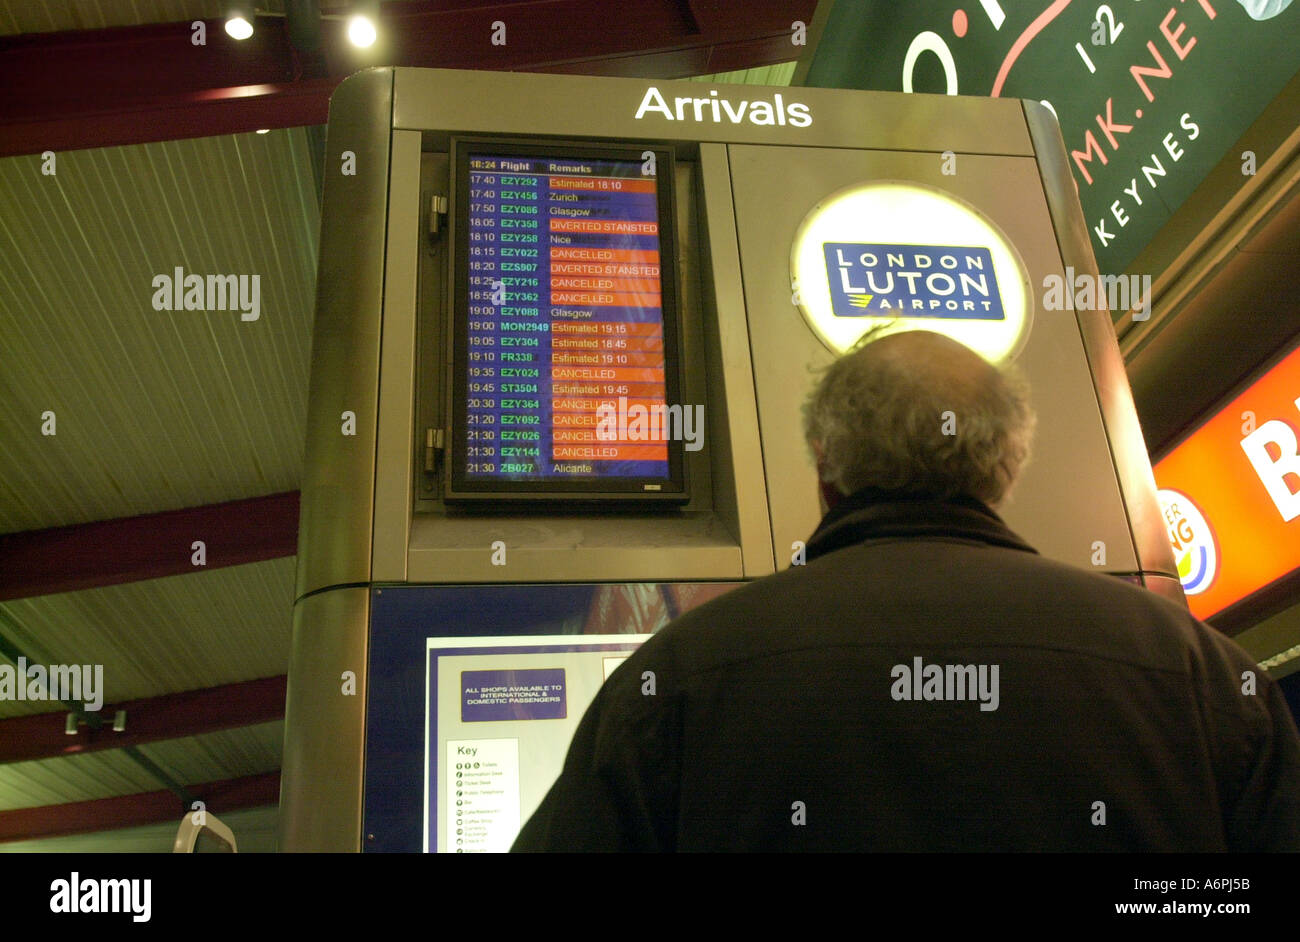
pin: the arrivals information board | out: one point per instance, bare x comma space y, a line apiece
563, 327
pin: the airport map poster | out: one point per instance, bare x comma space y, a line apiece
497, 654
500, 715
1150, 94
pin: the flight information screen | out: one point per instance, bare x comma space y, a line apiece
565, 362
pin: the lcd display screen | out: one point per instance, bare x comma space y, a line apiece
564, 375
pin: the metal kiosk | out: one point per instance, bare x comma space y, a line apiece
446, 603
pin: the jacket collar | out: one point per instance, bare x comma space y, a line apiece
874, 514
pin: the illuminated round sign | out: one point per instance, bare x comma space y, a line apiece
911, 257
1195, 549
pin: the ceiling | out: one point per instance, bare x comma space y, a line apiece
126, 381
48, 16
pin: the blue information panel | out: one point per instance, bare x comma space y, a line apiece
474, 693
566, 353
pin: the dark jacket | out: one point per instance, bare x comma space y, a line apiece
778, 720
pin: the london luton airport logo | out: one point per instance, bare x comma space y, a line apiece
947, 281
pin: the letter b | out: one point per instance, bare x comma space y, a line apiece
1273, 474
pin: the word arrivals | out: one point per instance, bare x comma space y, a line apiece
656, 423
1083, 292
946, 682
182, 292
103, 896
721, 110
65, 682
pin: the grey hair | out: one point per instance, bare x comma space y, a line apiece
919, 426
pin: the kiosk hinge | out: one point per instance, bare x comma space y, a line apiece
437, 209
432, 445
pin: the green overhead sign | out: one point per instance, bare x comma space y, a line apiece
1150, 94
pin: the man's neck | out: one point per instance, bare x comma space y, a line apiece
841, 505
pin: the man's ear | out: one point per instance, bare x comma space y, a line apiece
829, 492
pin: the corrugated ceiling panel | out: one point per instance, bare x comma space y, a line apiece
44, 16
232, 753
250, 750
10, 708
166, 635
155, 410
255, 833
73, 778
780, 74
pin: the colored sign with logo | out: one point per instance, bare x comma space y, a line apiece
1195, 550
1150, 95
863, 258
913, 280
1230, 493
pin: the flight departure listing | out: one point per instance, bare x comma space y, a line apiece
564, 315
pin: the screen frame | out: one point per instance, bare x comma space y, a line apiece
457, 488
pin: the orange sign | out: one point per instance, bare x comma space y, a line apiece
1231, 494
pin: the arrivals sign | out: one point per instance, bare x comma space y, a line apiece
1150, 94
1230, 493
866, 256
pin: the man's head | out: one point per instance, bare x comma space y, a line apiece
917, 412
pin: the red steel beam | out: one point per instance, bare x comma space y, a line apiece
127, 549
173, 716
125, 811
129, 85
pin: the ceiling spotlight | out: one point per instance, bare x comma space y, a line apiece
361, 31
239, 28
239, 21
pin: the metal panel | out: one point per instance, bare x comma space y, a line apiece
573, 548
491, 102
702, 466
334, 536
393, 495
324, 728
739, 494
1067, 498
699, 541
1128, 449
